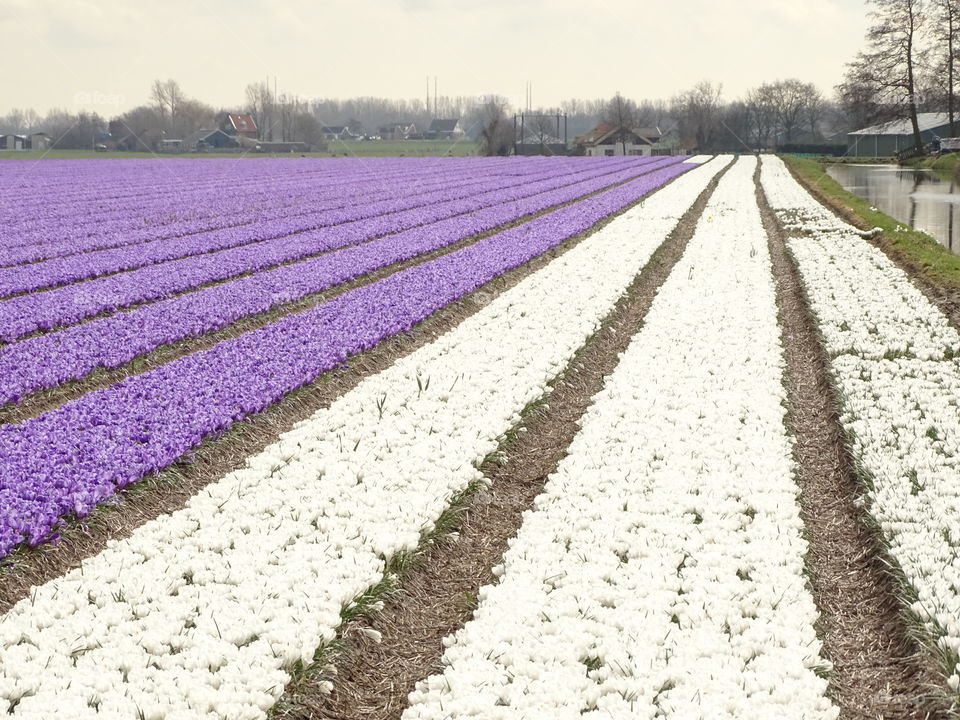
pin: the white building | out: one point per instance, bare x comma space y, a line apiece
607, 139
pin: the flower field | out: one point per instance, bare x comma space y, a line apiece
153, 310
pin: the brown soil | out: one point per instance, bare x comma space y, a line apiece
435, 595
169, 490
879, 671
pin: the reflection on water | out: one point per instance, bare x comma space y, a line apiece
919, 198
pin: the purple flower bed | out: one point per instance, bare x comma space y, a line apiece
62, 306
71, 458
122, 194
50, 359
80, 266
190, 211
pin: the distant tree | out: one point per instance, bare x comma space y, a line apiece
887, 73
762, 115
261, 103
946, 28
307, 129
140, 129
167, 96
193, 115
622, 114
15, 120
793, 101
497, 133
697, 113
736, 126
652, 113
544, 127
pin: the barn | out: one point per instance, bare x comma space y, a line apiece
887, 139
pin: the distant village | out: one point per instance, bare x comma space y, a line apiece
785, 116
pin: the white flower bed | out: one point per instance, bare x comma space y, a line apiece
204, 612
662, 571
698, 159
893, 357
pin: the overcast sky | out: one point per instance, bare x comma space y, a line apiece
104, 54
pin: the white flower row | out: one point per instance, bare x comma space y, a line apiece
203, 613
661, 573
698, 159
893, 355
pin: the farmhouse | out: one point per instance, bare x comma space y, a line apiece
39, 141
397, 131
241, 124
605, 139
444, 129
13, 142
890, 138
208, 139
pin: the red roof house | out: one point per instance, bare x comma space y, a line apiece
239, 124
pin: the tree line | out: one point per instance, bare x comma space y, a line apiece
772, 115
908, 65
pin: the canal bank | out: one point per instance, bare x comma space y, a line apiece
926, 258
922, 198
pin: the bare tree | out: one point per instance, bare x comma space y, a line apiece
762, 114
946, 27
307, 129
622, 114
544, 127
193, 115
497, 134
261, 103
138, 129
886, 73
16, 120
168, 96
696, 111
792, 99
814, 111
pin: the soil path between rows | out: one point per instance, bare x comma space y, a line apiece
879, 671
435, 597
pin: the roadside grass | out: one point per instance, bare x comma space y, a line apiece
931, 260
337, 148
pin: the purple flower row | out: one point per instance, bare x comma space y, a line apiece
116, 186
62, 306
71, 458
190, 212
72, 268
212, 190
53, 358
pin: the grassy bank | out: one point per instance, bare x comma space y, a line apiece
946, 165
856, 160
351, 148
921, 253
